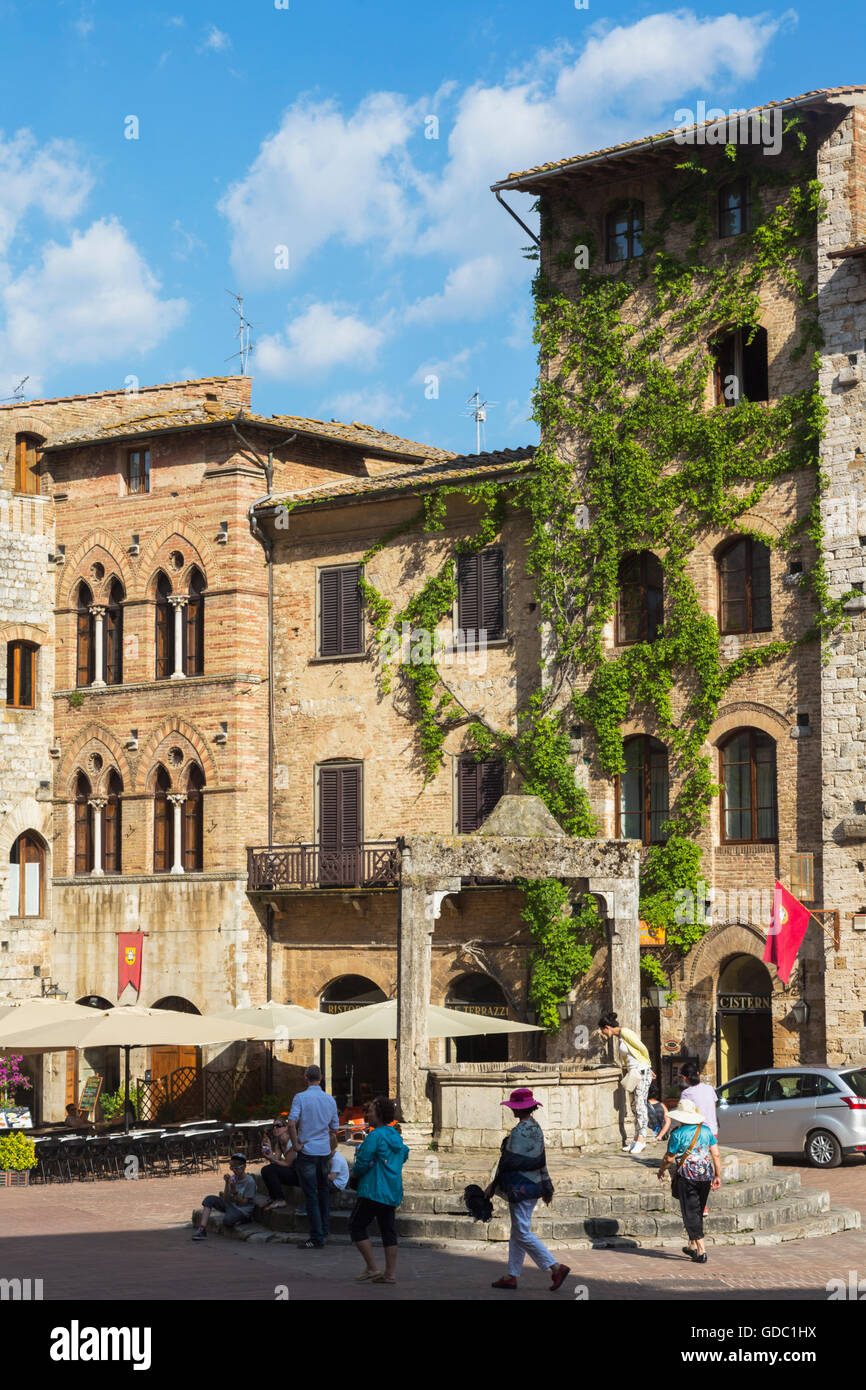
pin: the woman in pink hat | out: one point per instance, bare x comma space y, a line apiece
522, 1177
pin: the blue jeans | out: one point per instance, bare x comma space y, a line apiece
313, 1177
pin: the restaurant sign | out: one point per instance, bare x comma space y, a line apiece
651, 936
745, 1003
485, 1010
343, 1006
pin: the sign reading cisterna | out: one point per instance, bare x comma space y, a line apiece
719, 127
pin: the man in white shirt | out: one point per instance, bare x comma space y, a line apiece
313, 1125
338, 1176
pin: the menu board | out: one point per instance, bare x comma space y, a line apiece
90, 1095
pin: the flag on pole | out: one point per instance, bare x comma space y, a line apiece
785, 937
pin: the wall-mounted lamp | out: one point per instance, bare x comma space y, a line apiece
801, 1012
565, 1010
132, 741
657, 996
222, 535
134, 548
222, 736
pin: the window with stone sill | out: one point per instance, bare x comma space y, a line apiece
747, 773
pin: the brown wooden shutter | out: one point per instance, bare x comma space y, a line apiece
468, 613
193, 824
83, 834
85, 663
492, 596
164, 644
350, 807
340, 807
113, 639
351, 635
491, 779
112, 834
467, 796
329, 620
194, 636
163, 838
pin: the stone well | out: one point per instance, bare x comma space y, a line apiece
580, 1111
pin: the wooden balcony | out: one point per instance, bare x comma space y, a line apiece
373, 864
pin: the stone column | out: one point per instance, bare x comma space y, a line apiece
420, 904
177, 799
97, 803
98, 613
178, 603
620, 899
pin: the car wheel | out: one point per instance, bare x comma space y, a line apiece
823, 1150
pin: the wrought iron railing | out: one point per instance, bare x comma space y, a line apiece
373, 864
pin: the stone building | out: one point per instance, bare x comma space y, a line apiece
794, 724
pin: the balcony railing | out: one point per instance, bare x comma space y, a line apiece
373, 864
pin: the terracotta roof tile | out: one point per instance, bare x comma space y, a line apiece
815, 98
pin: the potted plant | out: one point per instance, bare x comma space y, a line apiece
17, 1157
12, 1079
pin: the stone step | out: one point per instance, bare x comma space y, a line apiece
577, 1176
442, 1232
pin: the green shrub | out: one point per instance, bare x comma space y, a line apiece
112, 1103
17, 1152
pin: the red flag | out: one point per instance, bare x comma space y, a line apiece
785, 937
129, 960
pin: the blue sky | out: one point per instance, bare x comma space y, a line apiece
297, 135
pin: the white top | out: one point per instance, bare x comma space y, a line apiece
339, 1170
632, 1059
315, 1114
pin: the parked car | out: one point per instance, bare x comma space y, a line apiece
816, 1111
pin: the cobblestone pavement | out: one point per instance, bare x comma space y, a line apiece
124, 1240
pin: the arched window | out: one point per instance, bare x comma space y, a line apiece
744, 586
26, 877
748, 777
21, 675
643, 791
163, 824
164, 635
86, 660
193, 822
193, 657
28, 454
624, 231
741, 366
112, 839
640, 602
83, 825
113, 663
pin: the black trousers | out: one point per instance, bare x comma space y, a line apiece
275, 1177
693, 1199
363, 1213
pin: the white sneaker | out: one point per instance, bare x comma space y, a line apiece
627, 1148
637, 1147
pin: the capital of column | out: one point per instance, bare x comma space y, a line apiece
176, 798
97, 610
97, 802
178, 600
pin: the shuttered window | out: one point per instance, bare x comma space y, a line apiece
479, 787
340, 817
193, 661
112, 830
27, 455
164, 631
85, 663
113, 636
341, 611
163, 824
193, 822
20, 674
26, 874
83, 826
481, 596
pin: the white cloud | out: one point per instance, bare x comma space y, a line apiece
375, 407
92, 300
317, 340
323, 176
52, 178
469, 292
454, 367
216, 40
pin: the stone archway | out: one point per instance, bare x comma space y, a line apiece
520, 839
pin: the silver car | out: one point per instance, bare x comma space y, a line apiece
816, 1111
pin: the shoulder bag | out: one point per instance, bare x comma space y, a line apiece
678, 1163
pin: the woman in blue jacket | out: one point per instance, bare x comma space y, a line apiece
379, 1169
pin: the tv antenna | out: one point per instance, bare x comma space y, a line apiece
243, 332
18, 393
477, 409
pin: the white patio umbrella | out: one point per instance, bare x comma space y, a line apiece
31, 1013
380, 1021
128, 1026
286, 1021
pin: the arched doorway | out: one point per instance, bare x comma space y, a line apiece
166, 1061
477, 994
354, 1071
744, 1019
92, 1061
